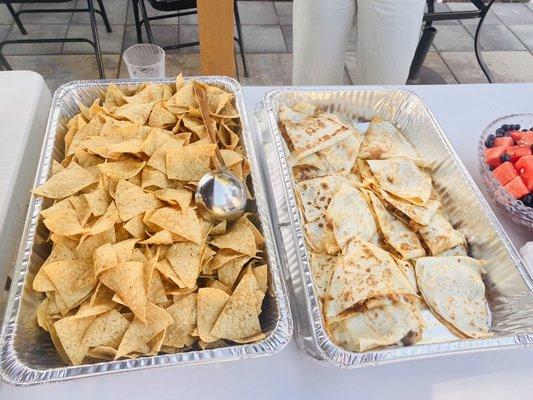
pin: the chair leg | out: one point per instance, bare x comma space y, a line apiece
15, 17
146, 22
477, 50
104, 15
96, 40
137, 22
3, 63
240, 40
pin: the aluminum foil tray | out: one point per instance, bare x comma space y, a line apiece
507, 280
27, 355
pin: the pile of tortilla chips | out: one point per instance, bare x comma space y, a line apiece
372, 219
134, 268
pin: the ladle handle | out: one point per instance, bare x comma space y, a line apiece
201, 96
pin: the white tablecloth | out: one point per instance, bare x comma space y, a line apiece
505, 374
24, 106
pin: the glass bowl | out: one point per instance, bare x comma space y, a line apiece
515, 209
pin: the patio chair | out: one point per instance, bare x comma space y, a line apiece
482, 8
95, 43
178, 8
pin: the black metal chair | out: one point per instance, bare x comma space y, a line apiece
178, 8
95, 43
482, 9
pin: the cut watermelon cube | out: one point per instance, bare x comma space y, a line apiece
517, 135
504, 141
524, 166
516, 152
505, 173
517, 188
526, 140
492, 156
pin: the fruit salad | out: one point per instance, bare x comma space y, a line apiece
508, 155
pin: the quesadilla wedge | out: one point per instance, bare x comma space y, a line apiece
397, 234
314, 195
364, 272
310, 130
455, 293
403, 178
350, 216
418, 214
383, 140
439, 235
408, 270
310, 167
342, 155
322, 266
394, 323
459, 250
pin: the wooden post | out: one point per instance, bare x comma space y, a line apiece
215, 25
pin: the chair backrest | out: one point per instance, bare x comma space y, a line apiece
172, 5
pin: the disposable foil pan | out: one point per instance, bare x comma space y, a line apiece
507, 278
27, 355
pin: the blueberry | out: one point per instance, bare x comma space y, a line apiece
505, 157
490, 141
517, 127
508, 133
505, 127
524, 130
499, 132
528, 200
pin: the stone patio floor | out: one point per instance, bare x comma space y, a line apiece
507, 41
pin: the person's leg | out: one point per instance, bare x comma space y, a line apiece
387, 36
320, 32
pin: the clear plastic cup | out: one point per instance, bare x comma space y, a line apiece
145, 61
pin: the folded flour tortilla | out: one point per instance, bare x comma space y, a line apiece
363, 272
403, 178
314, 195
350, 216
397, 322
310, 130
397, 234
454, 290
439, 235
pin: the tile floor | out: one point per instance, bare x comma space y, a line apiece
507, 41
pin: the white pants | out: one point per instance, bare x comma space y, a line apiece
387, 36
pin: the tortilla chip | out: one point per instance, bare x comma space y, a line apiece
65, 276
70, 332
66, 183
239, 238
160, 117
139, 333
106, 330
161, 237
189, 163
176, 197
127, 280
185, 258
240, 318
211, 302
155, 140
131, 200
152, 178
122, 169
182, 224
230, 271
184, 314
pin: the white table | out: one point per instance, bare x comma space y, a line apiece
24, 107
292, 375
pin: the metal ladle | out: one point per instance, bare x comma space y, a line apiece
220, 195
